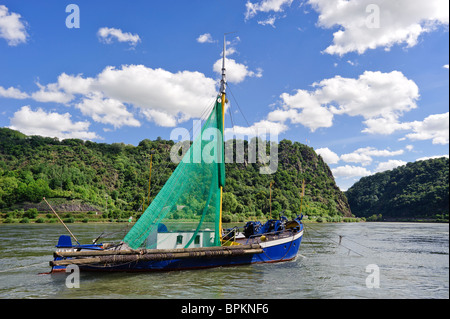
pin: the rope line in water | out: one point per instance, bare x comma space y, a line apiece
339, 243
11, 269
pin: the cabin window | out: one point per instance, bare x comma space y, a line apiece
197, 240
179, 239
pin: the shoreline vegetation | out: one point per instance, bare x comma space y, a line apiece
40, 217
47, 217
417, 190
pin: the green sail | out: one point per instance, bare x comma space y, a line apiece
186, 212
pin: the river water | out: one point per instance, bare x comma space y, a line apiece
346, 260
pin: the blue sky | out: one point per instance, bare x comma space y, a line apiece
365, 83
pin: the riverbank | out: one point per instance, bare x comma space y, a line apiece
33, 216
91, 217
98, 218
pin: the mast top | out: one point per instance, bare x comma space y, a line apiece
223, 81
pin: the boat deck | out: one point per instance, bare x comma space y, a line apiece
240, 239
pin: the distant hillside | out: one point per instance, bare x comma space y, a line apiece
418, 190
85, 175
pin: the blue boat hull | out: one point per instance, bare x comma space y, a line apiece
278, 250
272, 242
277, 253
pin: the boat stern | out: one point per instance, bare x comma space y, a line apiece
65, 245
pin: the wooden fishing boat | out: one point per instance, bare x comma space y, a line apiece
157, 242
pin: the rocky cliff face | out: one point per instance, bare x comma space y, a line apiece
296, 162
62, 205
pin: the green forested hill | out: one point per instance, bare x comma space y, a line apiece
418, 190
82, 176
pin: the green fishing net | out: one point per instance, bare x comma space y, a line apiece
186, 212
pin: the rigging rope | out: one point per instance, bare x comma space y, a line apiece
228, 86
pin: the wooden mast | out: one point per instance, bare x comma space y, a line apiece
223, 97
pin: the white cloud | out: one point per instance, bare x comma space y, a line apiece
180, 96
376, 96
280, 115
364, 155
385, 125
51, 93
356, 157
431, 157
371, 151
434, 127
50, 124
368, 24
205, 38
236, 72
391, 164
12, 93
328, 155
445, 66
161, 118
373, 94
303, 108
159, 95
12, 29
265, 6
261, 129
75, 84
108, 35
107, 111
269, 21
60, 92
349, 171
